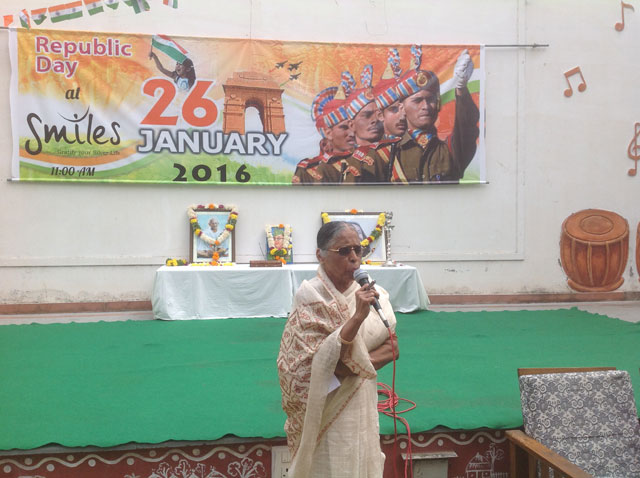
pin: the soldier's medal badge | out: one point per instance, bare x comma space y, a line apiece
353, 171
421, 79
315, 174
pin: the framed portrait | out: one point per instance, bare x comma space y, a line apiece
215, 241
365, 223
279, 243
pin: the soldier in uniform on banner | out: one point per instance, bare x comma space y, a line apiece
370, 163
367, 126
330, 115
342, 141
306, 169
332, 122
420, 155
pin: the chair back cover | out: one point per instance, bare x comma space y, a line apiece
590, 418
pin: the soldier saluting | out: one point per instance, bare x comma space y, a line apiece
420, 156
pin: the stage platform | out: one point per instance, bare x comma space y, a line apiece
107, 384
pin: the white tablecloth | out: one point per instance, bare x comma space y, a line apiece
241, 291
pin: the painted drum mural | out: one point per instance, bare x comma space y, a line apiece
594, 248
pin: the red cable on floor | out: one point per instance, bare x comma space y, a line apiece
388, 407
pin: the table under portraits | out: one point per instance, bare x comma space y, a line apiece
184, 293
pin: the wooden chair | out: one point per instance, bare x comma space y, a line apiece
570, 449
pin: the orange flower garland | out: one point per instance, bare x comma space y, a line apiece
279, 254
224, 235
373, 235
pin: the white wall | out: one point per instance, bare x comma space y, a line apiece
547, 155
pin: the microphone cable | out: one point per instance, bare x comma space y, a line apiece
388, 407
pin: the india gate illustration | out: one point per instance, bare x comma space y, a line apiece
249, 88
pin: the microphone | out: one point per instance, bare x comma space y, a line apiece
362, 278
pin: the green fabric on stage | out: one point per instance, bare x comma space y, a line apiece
111, 383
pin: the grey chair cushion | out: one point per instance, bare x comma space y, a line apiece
590, 418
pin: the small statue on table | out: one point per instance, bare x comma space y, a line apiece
387, 230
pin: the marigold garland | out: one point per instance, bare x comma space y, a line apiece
183, 262
224, 235
373, 235
279, 254
175, 262
212, 263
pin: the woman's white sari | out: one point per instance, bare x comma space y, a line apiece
331, 432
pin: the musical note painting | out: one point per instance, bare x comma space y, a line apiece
620, 25
581, 87
633, 151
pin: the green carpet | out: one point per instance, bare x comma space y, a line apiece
111, 383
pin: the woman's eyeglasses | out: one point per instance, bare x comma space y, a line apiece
346, 250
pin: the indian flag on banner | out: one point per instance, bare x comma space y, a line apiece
112, 4
8, 20
138, 5
24, 19
170, 47
67, 11
94, 6
39, 15
171, 3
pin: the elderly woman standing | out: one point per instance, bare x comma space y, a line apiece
331, 347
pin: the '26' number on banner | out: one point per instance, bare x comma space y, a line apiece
196, 100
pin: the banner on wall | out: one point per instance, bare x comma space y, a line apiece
151, 108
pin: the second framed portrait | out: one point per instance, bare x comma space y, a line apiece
279, 243
366, 224
212, 234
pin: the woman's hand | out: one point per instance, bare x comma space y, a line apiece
365, 298
384, 354
379, 357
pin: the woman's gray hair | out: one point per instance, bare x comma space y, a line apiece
328, 232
